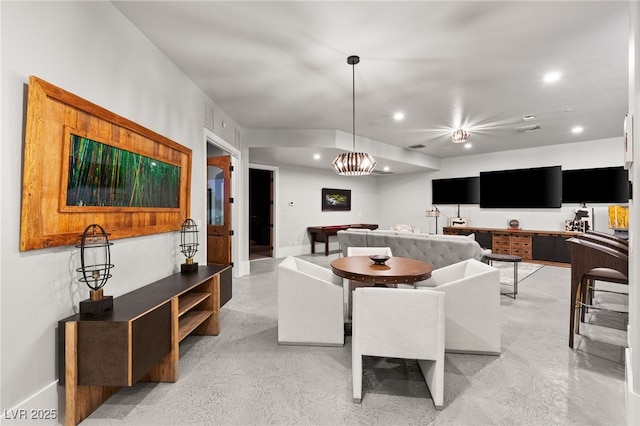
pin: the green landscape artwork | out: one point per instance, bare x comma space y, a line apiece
102, 175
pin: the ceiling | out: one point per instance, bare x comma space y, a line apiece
445, 64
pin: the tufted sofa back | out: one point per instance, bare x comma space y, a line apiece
436, 250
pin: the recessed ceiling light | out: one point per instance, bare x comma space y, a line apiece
385, 168
398, 116
577, 129
316, 156
467, 146
552, 77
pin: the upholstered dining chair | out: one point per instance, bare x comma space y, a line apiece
360, 251
473, 305
310, 304
400, 323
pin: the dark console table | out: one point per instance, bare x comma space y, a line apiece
139, 340
321, 234
529, 244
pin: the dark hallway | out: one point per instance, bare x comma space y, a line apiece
260, 213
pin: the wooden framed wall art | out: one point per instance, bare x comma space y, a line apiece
84, 164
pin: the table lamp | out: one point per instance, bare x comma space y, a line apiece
434, 212
95, 258
189, 245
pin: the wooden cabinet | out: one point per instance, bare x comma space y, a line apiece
529, 244
139, 340
551, 248
513, 244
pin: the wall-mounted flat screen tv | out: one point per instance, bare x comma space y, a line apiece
465, 190
539, 187
599, 185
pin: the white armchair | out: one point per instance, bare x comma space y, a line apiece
310, 304
359, 251
472, 307
400, 323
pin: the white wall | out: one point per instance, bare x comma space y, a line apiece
632, 355
88, 49
413, 192
304, 187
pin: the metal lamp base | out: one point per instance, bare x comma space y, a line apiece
94, 308
187, 268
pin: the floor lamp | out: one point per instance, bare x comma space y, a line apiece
434, 212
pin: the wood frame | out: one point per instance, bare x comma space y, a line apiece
327, 193
46, 221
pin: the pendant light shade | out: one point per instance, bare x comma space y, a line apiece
354, 163
460, 136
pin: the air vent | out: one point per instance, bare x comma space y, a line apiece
529, 129
417, 146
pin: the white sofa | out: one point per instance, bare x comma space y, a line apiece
472, 306
310, 304
436, 250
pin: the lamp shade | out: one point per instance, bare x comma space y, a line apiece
189, 245
95, 257
460, 136
354, 164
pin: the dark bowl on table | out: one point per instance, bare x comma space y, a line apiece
379, 259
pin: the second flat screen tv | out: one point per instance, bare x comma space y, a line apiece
600, 185
464, 190
539, 187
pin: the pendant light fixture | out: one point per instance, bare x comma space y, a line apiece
354, 163
460, 136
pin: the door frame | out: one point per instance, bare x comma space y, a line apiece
239, 248
275, 209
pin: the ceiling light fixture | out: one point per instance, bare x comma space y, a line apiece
354, 163
398, 116
460, 136
552, 77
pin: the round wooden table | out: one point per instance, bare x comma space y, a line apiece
396, 270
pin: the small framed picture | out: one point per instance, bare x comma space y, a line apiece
336, 199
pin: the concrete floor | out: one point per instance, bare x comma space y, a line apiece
243, 377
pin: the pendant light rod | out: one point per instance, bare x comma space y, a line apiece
353, 60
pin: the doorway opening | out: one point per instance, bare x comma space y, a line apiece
260, 214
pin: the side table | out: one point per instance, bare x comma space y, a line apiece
511, 259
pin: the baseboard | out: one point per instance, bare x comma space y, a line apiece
45, 407
632, 398
294, 251
470, 352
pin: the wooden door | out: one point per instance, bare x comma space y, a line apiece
219, 210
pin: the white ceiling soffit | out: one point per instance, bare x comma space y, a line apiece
445, 64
